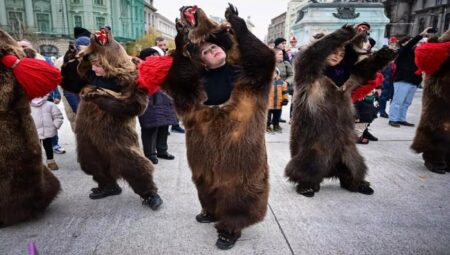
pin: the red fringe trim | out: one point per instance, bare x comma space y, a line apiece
430, 56
153, 72
364, 90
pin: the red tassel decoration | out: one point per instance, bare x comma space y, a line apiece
430, 56
364, 90
153, 71
36, 76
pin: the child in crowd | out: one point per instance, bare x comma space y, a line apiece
48, 119
277, 98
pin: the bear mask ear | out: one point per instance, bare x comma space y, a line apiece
102, 36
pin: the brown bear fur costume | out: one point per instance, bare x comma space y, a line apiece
433, 133
26, 186
322, 135
107, 142
226, 148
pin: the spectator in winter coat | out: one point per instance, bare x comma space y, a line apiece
278, 97
405, 80
156, 120
48, 119
286, 73
387, 91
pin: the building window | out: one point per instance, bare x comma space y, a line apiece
99, 2
15, 21
434, 21
421, 24
447, 22
77, 21
438, 2
100, 21
76, 1
43, 22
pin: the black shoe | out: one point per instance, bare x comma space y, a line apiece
384, 115
166, 156
405, 123
394, 123
153, 159
282, 120
205, 217
226, 241
154, 201
368, 135
439, 169
177, 129
98, 193
307, 191
365, 189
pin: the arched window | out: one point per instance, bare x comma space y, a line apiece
48, 50
421, 24
447, 22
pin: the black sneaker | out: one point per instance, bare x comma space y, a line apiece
226, 241
98, 193
405, 123
153, 159
282, 120
177, 129
166, 156
154, 201
368, 135
384, 115
439, 169
205, 217
394, 124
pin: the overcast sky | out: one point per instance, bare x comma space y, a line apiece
260, 11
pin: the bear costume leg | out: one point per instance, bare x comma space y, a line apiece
208, 201
307, 169
352, 171
239, 208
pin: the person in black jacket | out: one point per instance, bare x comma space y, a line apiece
156, 120
405, 80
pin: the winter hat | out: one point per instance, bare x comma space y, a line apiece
279, 40
393, 39
363, 24
79, 31
147, 52
82, 41
293, 39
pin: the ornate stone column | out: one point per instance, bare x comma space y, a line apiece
29, 15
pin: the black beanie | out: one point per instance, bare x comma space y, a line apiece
79, 31
279, 40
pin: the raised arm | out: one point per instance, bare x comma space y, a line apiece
183, 80
312, 61
256, 59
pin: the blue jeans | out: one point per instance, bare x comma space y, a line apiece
73, 99
403, 96
55, 141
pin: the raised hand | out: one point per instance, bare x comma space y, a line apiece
230, 12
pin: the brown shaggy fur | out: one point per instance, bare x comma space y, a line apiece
322, 134
26, 186
433, 134
107, 143
226, 143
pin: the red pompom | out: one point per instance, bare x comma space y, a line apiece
430, 56
153, 71
37, 77
364, 90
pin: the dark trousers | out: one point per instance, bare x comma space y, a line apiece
154, 140
55, 140
48, 147
73, 99
386, 95
273, 117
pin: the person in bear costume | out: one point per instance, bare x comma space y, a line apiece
433, 134
225, 137
322, 136
27, 187
107, 142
